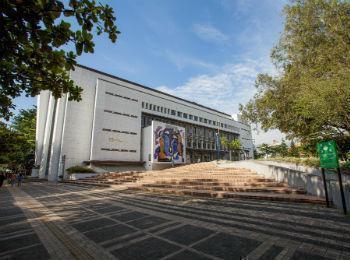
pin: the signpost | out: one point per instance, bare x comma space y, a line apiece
217, 142
327, 151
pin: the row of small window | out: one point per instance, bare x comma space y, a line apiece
118, 131
116, 95
185, 115
118, 113
200, 145
118, 150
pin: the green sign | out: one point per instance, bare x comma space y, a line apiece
327, 151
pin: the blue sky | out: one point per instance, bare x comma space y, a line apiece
206, 51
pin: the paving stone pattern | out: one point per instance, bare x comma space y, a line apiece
64, 221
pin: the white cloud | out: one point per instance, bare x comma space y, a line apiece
209, 33
181, 61
231, 85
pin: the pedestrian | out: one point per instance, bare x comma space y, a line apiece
19, 179
13, 179
2, 178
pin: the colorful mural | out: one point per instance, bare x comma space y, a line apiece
169, 143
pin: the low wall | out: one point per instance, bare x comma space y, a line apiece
297, 176
77, 176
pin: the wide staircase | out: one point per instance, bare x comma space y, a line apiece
110, 179
205, 180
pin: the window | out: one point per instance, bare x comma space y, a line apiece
200, 119
154, 107
190, 117
158, 108
143, 104
179, 114
185, 115
195, 118
173, 112
222, 125
146, 105
205, 120
161, 109
169, 111
150, 106
209, 121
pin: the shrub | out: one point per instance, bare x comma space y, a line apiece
79, 169
346, 165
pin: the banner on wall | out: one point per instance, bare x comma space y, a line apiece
169, 143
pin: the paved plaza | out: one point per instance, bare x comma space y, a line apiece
64, 221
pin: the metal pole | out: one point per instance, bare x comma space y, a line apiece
325, 187
342, 191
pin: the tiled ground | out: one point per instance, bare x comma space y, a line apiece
63, 221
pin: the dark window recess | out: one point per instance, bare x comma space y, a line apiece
200, 119
118, 150
195, 118
116, 95
117, 113
190, 117
179, 114
173, 112
185, 115
118, 131
143, 104
146, 105
205, 120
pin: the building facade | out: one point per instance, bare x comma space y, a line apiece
105, 128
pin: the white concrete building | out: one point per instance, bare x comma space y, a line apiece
104, 130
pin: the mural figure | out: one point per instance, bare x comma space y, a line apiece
169, 144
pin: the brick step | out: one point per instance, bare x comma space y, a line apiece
209, 181
105, 181
216, 183
204, 178
200, 173
79, 182
295, 198
228, 188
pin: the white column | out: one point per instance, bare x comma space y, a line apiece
56, 139
46, 139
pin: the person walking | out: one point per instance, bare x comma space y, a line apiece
19, 179
13, 179
2, 178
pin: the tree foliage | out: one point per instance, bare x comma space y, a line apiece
18, 141
32, 34
310, 97
234, 144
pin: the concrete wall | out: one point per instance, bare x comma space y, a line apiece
147, 147
297, 176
